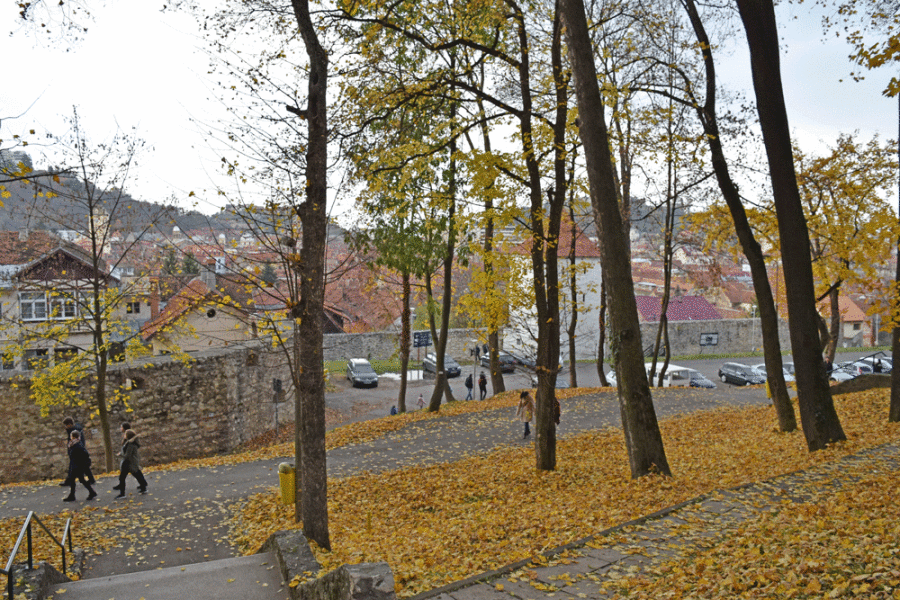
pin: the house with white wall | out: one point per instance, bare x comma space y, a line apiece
520, 336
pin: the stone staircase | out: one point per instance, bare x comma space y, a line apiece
256, 577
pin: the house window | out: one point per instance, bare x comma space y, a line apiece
856, 326
61, 355
133, 308
62, 307
33, 306
35, 358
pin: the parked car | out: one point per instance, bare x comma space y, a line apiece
763, 370
699, 380
675, 376
524, 361
360, 372
841, 374
506, 360
886, 362
452, 368
857, 368
739, 374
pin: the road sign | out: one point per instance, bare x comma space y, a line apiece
421, 338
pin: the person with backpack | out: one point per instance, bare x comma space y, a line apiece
79, 467
469, 387
131, 462
482, 385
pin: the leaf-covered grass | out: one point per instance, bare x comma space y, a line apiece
441, 523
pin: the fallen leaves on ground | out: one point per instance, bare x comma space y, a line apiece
441, 523
839, 543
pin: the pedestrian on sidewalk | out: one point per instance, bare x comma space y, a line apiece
421, 402
482, 385
79, 467
470, 385
131, 462
70, 425
525, 411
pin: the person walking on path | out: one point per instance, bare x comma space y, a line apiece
131, 463
79, 467
482, 385
525, 411
469, 386
421, 402
70, 425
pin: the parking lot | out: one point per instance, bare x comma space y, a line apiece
358, 404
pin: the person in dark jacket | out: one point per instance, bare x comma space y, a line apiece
131, 463
482, 385
469, 386
79, 466
70, 425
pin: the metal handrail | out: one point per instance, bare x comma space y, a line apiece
26, 532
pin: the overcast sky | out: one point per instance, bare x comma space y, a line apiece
138, 67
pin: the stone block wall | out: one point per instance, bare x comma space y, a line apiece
730, 336
385, 345
211, 405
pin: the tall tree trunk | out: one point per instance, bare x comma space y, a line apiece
834, 330
894, 411
314, 219
498, 385
768, 315
821, 425
405, 328
573, 296
601, 336
643, 440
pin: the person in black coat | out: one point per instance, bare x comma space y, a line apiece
70, 425
79, 467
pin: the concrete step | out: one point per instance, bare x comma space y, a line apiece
255, 577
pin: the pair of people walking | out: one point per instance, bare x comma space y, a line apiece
482, 386
80, 461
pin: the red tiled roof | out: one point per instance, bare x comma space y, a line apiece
190, 296
681, 308
584, 247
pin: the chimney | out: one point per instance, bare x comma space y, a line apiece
154, 297
208, 273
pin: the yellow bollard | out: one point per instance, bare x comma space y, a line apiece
768, 390
288, 482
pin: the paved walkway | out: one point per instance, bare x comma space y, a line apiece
183, 518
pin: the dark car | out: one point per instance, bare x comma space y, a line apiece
699, 380
360, 372
738, 374
429, 364
506, 361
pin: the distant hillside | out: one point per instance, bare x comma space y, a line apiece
29, 207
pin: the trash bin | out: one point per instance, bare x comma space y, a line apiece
288, 482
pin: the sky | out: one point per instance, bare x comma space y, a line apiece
138, 67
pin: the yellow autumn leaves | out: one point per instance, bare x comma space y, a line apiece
442, 523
